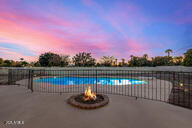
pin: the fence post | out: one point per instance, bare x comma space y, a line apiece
29, 79
9, 76
173, 88
31, 82
173, 80
96, 80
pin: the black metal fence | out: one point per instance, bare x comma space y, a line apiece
171, 87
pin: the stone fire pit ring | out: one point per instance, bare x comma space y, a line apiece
74, 102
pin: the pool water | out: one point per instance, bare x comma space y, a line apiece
89, 80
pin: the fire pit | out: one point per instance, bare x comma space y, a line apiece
88, 100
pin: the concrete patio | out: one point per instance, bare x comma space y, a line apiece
42, 110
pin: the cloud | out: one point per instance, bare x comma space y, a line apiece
11, 55
39, 31
49, 33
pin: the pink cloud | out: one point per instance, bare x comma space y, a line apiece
120, 15
45, 32
72, 42
42, 38
10, 55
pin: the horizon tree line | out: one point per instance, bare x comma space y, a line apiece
84, 59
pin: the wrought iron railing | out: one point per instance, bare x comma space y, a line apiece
166, 86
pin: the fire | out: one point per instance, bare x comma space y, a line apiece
89, 95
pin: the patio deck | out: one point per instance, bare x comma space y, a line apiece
39, 110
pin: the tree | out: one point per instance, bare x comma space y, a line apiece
1, 61
18, 64
50, 64
131, 56
48, 57
65, 60
168, 51
178, 60
162, 61
188, 58
107, 60
122, 63
145, 56
24, 63
7, 63
83, 59
133, 61
139, 61
98, 65
37, 64
55, 60
116, 63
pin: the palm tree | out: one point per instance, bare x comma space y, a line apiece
115, 62
123, 61
131, 56
168, 51
145, 56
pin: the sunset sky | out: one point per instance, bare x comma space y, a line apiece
102, 27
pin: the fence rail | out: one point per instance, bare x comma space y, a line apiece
166, 86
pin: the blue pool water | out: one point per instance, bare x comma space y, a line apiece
89, 80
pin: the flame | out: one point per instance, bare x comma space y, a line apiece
181, 84
89, 95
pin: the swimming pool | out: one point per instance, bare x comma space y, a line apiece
89, 80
